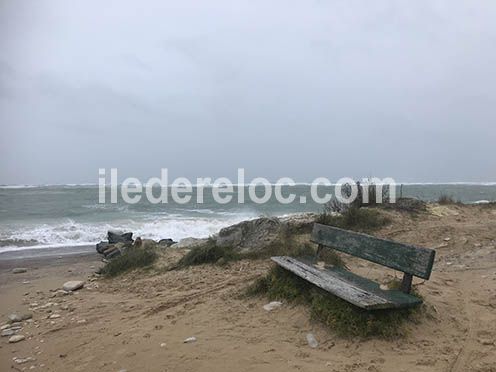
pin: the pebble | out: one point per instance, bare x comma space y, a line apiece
73, 285
24, 360
19, 317
16, 338
190, 340
7, 332
163, 344
272, 305
312, 341
19, 270
54, 316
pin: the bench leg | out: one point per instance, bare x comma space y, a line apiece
406, 283
317, 254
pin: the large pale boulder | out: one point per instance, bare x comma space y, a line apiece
19, 317
250, 235
73, 285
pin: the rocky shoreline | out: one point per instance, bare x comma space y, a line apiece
246, 236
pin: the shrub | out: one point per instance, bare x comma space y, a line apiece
344, 318
207, 253
366, 197
210, 253
356, 219
132, 258
411, 205
445, 199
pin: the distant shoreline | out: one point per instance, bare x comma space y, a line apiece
47, 253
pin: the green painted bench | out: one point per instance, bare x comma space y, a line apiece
360, 291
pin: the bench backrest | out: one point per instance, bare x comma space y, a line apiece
403, 257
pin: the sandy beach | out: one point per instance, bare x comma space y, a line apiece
139, 321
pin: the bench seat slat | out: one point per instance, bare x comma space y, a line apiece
407, 258
357, 290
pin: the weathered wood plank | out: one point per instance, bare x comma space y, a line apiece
407, 258
359, 291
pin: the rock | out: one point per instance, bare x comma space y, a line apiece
166, 242
251, 235
7, 332
163, 344
16, 338
190, 340
114, 253
5, 326
100, 247
301, 223
116, 249
115, 237
24, 360
272, 305
54, 316
19, 317
190, 243
312, 342
261, 233
73, 285
19, 270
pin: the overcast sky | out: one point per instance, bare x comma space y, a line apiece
405, 89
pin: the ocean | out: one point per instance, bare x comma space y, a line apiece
69, 217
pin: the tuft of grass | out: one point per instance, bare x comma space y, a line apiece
410, 205
356, 219
210, 252
344, 318
445, 199
132, 258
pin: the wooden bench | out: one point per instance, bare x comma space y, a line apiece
362, 292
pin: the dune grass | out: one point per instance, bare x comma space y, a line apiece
132, 258
207, 253
210, 253
344, 318
445, 199
356, 219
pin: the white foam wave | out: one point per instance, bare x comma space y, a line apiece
481, 202
70, 233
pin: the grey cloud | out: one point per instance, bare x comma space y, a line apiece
301, 90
